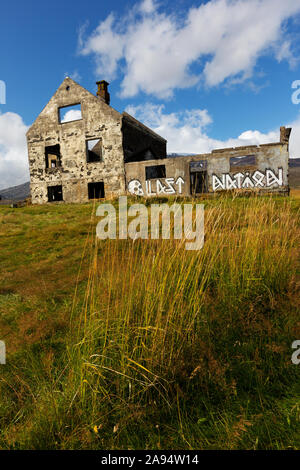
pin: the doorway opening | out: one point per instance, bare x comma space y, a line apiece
96, 190
198, 177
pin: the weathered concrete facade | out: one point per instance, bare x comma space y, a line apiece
99, 152
58, 150
262, 168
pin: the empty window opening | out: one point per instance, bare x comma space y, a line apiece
55, 193
200, 165
70, 113
94, 150
156, 171
96, 190
52, 156
199, 182
245, 161
198, 177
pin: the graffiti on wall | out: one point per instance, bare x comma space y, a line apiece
167, 186
248, 180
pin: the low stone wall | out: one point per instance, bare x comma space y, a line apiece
261, 168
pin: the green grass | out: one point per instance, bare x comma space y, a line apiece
144, 345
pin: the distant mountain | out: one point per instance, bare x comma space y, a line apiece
15, 193
171, 155
294, 162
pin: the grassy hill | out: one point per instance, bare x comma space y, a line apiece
128, 345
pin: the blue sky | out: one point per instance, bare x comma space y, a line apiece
203, 74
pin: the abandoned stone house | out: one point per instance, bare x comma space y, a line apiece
80, 148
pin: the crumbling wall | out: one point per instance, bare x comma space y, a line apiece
99, 121
268, 174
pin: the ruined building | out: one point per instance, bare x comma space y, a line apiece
80, 148
79, 144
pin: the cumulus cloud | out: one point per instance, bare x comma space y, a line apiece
13, 150
71, 115
221, 39
188, 131
147, 6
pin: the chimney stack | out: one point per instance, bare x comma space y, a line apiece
285, 133
103, 91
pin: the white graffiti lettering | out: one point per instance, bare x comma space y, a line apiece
258, 179
166, 186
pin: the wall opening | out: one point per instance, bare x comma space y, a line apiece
198, 177
96, 190
155, 172
55, 193
94, 150
244, 162
53, 156
199, 182
70, 113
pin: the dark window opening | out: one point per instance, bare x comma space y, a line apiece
154, 172
52, 156
96, 190
198, 177
70, 113
199, 183
245, 161
55, 193
94, 150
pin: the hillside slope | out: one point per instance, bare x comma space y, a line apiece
122, 344
16, 193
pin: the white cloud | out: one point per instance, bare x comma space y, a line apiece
72, 115
222, 39
13, 150
148, 6
106, 45
187, 131
74, 75
295, 138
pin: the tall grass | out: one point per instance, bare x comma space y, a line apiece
175, 349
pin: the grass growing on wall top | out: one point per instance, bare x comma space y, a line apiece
127, 345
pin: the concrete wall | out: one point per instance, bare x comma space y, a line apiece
268, 174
